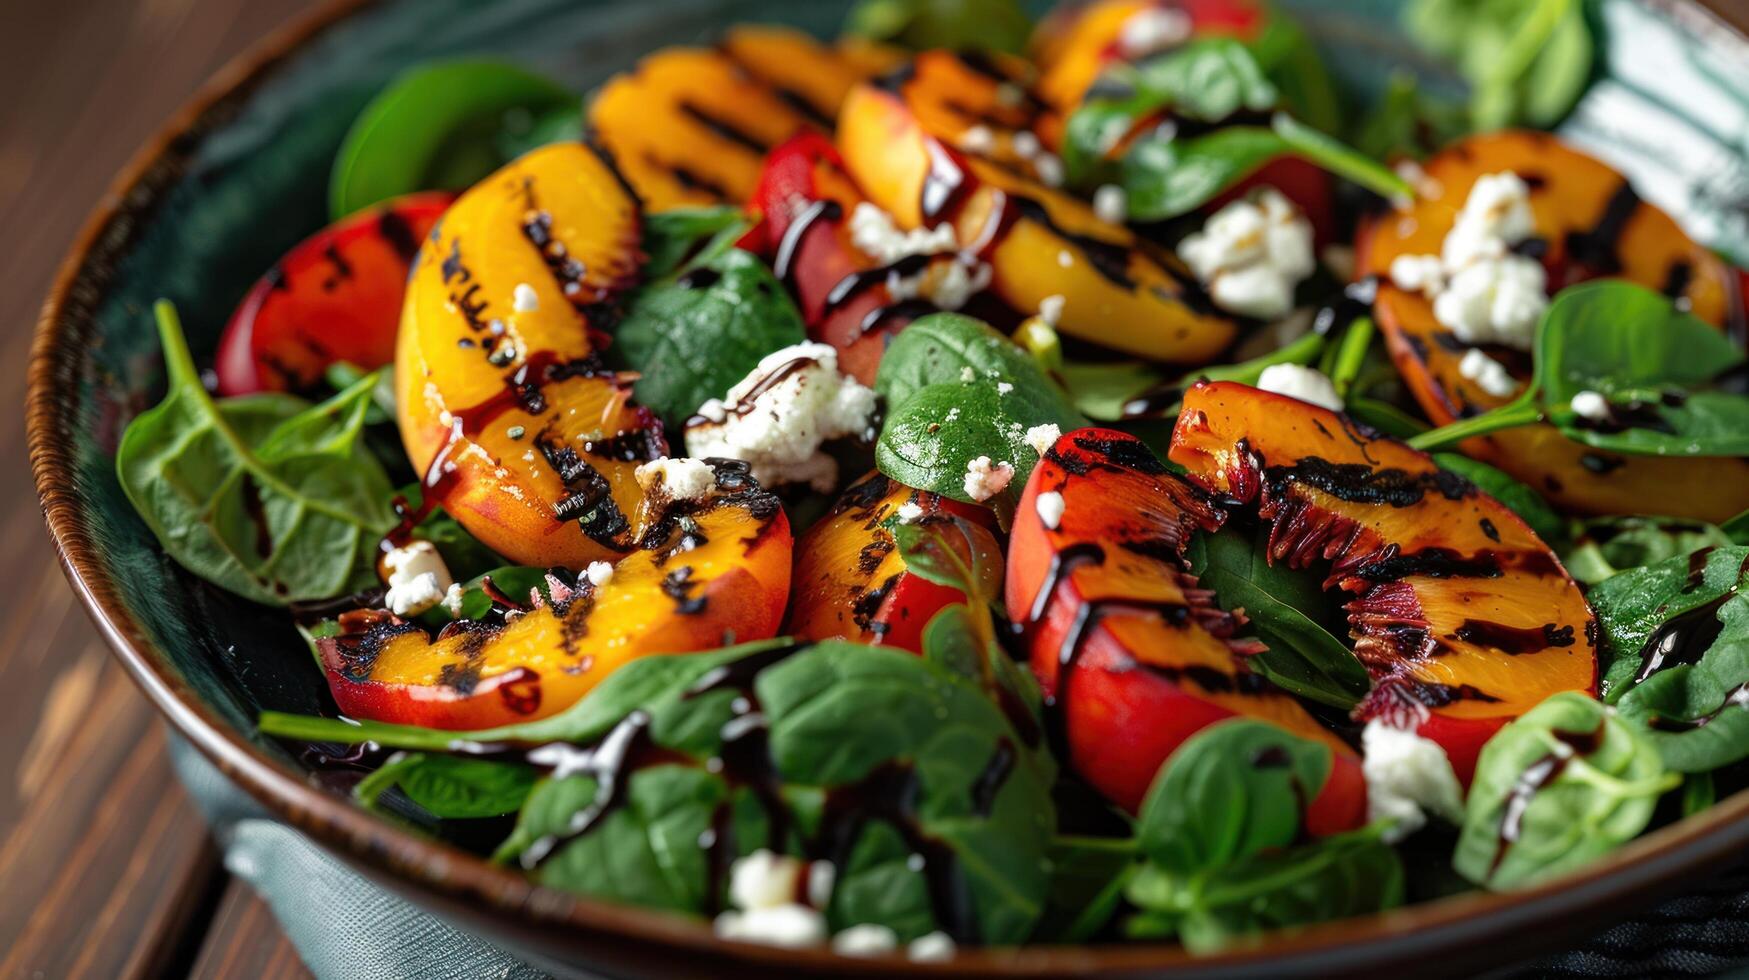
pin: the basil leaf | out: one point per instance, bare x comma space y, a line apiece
1232, 790
1605, 546
273, 507
1088, 877
681, 237
434, 128
451, 787
693, 338
1564, 784
1632, 606
1338, 877
1518, 498
1286, 610
994, 25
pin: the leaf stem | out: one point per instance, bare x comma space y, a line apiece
1340, 159
1304, 350
1523, 412
1351, 354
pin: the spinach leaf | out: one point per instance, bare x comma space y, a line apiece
1632, 606
1737, 528
1564, 784
1287, 55
694, 337
679, 238
994, 25
1231, 791
1650, 360
1337, 877
1518, 498
435, 128
1105, 391
1088, 877
1604, 546
1527, 63
1287, 610
957, 390
273, 507
1405, 122
939, 348
451, 787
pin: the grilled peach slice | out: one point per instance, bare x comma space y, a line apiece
1590, 223
1133, 656
1040, 242
956, 94
335, 297
502, 399
811, 77
851, 581
706, 573
1077, 42
1464, 618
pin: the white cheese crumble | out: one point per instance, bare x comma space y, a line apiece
1297, 381
1407, 777
765, 879
523, 299
967, 375
780, 430
1111, 203
1042, 437
910, 512
599, 573
985, 479
1252, 253
949, 285
866, 939
1481, 291
767, 891
452, 600
1050, 309
1152, 29
978, 139
679, 479
792, 926
1488, 374
1003, 387
934, 947
874, 234
1050, 508
1590, 405
417, 578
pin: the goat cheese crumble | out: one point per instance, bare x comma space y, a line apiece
523, 299
599, 573
1488, 374
1252, 253
778, 416
1050, 309
1590, 405
1407, 777
417, 578
1306, 384
985, 479
1042, 437
866, 939
1481, 290
1151, 30
910, 512
1111, 203
1050, 508
679, 479
931, 948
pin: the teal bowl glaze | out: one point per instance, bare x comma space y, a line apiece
241, 175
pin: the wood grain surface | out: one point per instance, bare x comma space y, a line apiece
105, 867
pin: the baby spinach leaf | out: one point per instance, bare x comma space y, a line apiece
1287, 610
928, 441
994, 25
1605, 546
1164, 178
434, 128
1287, 55
1651, 361
274, 507
681, 237
1232, 790
1566, 783
1633, 606
941, 347
1337, 877
1518, 498
451, 787
694, 337
1527, 63
1088, 876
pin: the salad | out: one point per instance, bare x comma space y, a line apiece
978, 483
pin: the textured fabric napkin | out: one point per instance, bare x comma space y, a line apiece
346, 928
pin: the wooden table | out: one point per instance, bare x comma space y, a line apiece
105, 867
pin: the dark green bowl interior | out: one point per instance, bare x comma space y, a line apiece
1670, 108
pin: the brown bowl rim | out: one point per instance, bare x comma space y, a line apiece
1698, 844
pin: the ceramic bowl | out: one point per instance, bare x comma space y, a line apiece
239, 176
